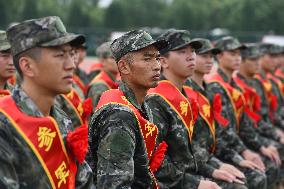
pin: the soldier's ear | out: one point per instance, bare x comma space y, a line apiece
123, 67
163, 62
26, 65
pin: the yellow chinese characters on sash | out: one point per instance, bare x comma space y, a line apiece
177, 101
43, 137
148, 130
205, 111
235, 96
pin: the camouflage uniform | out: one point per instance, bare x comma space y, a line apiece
229, 135
117, 151
180, 168
19, 164
96, 88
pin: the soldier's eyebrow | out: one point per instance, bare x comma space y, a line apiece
150, 54
63, 49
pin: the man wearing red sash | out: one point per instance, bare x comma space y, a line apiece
175, 115
204, 135
236, 134
7, 69
123, 148
37, 145
106, 79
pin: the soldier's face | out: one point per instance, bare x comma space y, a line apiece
53, 71
144, 70
7, 68
230, 60
181, 62
251, 66
110, 65
204, 63
268, 62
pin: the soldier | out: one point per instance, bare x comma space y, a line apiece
122, 138
106, 79
7, 68
81, 52
175, 115
204, 137
38, 147
240, 129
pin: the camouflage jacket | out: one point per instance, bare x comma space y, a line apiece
117, 152
179, 166
266, 128
20, 168
229, 134
222, 152
251, 136
82, 75
96, 88
202, 140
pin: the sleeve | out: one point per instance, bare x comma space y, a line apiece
170, 173
8, 157
248, 133
115, 163
95, 91
84, 177
215, 162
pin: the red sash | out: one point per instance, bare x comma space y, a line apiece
278, 83
79, 82
279, 73
272, 99
178, 102
205, 111
148, 130
104, 78
44, 138
235, 96
252, 99
96, 67
82, 110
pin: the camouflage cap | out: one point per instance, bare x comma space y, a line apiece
178, 39
4, 44
269, 48
103, 51
134, 41
42, 32
206, 47
229, 43
251, 52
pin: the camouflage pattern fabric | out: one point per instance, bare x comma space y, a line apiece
229, 43
4, 44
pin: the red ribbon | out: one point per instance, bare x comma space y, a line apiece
217, 110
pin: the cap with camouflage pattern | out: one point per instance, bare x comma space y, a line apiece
134, 41
251, 52
269, 48
229, 43
178, 39
4, 44
206, 47
42, 32
103, 51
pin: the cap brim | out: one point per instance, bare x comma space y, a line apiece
194, 44
72, 39
214, 51
5, 46
160, 44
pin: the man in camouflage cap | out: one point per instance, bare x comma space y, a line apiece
206, 140
37, 141
7, 69
239, 135
106, 79
171, 106
122, 139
